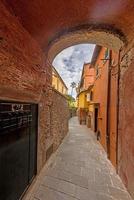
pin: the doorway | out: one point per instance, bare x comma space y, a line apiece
96, 120
18, 148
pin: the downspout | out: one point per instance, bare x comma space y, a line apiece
108, 104
118, 99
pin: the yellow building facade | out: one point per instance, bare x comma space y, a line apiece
57, 82
82, 99
84, 104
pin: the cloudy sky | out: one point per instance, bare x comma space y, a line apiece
69, 63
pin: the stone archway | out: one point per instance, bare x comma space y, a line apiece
101, 35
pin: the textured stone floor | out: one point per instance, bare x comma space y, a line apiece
79, 170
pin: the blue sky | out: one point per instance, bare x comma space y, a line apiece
69, 63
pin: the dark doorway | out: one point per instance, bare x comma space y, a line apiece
18, 148
96, 120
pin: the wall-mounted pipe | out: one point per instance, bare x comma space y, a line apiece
108, 104
118, 99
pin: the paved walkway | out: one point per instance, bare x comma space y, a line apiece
79, 170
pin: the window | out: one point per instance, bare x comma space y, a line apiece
89, 96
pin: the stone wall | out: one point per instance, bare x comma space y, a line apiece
59, 118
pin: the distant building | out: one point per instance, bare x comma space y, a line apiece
84, 91
87, 77
58, 83
97, 98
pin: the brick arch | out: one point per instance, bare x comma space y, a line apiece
103, 35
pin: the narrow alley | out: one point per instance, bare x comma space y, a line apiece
79, 169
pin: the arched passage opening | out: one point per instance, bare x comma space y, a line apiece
116, 42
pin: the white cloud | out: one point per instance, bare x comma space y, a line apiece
69, 63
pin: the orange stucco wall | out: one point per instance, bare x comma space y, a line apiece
88, 76
100, 96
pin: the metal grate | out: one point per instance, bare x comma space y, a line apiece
14, 116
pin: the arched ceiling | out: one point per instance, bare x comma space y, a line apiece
49, 20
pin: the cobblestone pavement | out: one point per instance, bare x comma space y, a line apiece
79, 170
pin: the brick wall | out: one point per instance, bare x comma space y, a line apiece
21, 61
59, 117
24, 75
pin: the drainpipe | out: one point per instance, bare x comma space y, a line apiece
118, 99
108, 104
